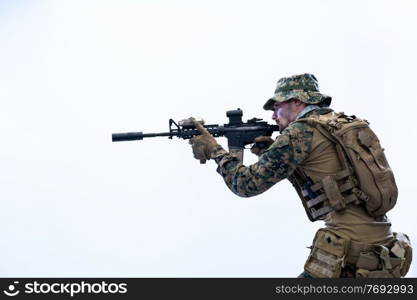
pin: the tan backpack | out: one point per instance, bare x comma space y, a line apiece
361, 154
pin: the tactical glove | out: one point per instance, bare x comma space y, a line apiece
262, 143
204, 144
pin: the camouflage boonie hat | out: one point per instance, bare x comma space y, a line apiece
304, 87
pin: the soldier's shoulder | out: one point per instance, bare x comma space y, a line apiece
296, 135
298, 129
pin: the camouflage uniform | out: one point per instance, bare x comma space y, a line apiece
300, 147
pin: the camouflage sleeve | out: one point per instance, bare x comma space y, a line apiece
278, 162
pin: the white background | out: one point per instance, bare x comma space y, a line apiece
72, 72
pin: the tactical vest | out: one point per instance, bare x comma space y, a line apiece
365, 179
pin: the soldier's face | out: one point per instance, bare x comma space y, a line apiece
284, 113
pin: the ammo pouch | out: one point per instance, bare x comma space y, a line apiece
390, 260
328, 254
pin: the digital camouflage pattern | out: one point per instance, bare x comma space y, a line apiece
277, 163
304, 87
302, 148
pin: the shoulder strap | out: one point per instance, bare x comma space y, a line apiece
327, 125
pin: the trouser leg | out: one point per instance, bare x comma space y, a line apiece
305, 275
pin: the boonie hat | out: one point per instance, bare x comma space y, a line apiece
304, 87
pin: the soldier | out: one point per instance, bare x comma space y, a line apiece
339, 170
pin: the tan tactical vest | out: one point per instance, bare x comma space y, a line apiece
361, 175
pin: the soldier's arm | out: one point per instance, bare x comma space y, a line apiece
276, 164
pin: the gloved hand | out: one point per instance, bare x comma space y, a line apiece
261, 144
204, 144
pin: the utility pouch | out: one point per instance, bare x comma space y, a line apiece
391, 260
402, 250
362, 273
333, 193
328, 254
368, 261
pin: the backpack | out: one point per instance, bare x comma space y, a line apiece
361, 154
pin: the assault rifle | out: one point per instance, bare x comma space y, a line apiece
238, 133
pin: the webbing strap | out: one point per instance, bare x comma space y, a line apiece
343, 188
348, 199
316, 200
347, 186
343, 153
342, 174
351, 198
321, 211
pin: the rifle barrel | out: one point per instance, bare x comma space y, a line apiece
132, 136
